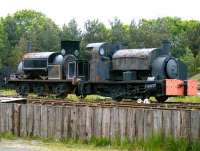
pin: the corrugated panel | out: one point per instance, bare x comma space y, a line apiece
95, 45
38, 55
133, 53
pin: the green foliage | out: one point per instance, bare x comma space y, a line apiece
71, 31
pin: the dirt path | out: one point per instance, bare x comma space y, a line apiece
24, 145
18, 145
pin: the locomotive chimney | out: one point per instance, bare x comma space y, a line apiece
29, 46
166, 47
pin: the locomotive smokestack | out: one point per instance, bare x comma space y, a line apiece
29, 46
166, 47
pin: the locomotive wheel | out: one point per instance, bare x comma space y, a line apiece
23, 89
80, 96
60, 91
39, 90
161, 99
118, 99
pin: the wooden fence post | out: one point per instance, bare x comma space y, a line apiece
122, 122
58, 122
98, 122
30, 119
73, 122
195, 124
44, 121
114, 123
66, 121
106, 122
16, 119
23, 120
185, 124
148, 123
139, 114
157, 122
51, 121
176, 123
37, 120
81, 123
167, 123
89, 122
131, 123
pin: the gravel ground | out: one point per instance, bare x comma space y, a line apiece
35, 145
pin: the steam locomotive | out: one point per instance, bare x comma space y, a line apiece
108, 70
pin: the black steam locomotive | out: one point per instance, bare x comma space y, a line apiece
108, 70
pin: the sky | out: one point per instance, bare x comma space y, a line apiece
61, 11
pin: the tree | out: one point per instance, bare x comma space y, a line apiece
25, 26
119, 32
71, 31
95, 31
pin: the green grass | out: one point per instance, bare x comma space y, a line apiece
7, 135
196, 77
189, 99
154, 143
8, 92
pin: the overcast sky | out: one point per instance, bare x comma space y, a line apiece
61, 11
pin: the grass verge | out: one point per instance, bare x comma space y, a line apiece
154, 143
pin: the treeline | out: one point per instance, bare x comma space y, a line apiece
29, 26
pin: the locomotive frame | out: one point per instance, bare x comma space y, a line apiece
109, 70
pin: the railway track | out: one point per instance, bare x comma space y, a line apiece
111, 103
131, 104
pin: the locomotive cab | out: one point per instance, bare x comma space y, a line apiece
73, 66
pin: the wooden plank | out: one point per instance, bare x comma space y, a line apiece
81, 125
66, 122
114, 126
51, 121
23, 122
157, 122
106, 122
167, 123
148, 123
37, 120
2, 118
5, 118
139, 114
58, 122
98, 122
73, 122
30, 119
89, 122
16, 119
195, 124
131, 123
10, 117
185, 124
122, 122
176, 123
44, 121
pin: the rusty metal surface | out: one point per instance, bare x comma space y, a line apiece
133, 53
130, 64
38, 55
